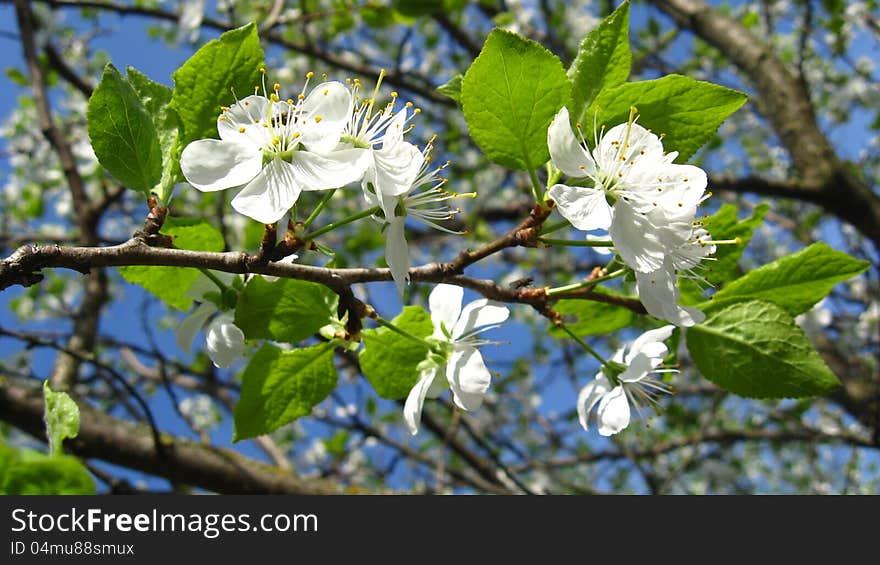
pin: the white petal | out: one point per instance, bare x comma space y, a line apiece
445, 305
468, 377
651, 342
412, 408
683, 189
269, 196
659, 295
396, 168
190, 326
225, 341
212, 164
331, 170
325, 113
589, 396
642, 148
613, 412
397, 252
566, 151
482, 312
394, 130
636, 239
248, 113
586, 208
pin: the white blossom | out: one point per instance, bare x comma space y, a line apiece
456, 331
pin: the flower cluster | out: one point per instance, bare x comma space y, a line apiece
630, 187
328, 137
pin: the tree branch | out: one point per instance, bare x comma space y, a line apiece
124, 443
786, 103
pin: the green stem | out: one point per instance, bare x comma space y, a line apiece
584, 344
223, 288
555, 227
537, 189
576, 286
576, 242
340, 223
385, 323
319, 207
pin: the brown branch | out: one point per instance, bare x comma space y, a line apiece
53, 135
131, 445
85, 322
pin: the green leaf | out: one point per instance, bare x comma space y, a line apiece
202, 85
509, 96
171, 283
603, 60
279, 386
452, 88
723, 226
156, 99
756, 349
591, 318
388, 360
795, 282
25, 471
285, 310
687, 111
61, 417
122, 133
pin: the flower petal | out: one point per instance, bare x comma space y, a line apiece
636, 239
249, 113
482, 312
269, 196
566, 152
331, 170
659, 295
412, 408
586, 208
212, 164
190, 326
651, 343
613, 412
225, 341
589, 396
628, 145
325, 113
445, 305
397, 252
468, 377
394, 130
396, 168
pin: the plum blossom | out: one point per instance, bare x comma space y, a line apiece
424, 201
630, 187
626, 379
223, 339
456, 331
276, 149
394, 163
